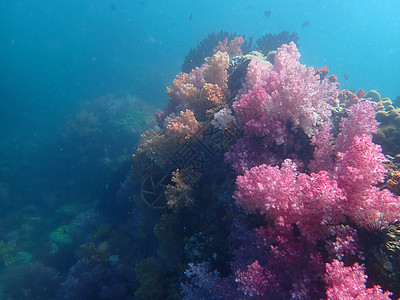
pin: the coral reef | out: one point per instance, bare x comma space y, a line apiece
88, 280
311, 182
261, 179
179, 192
393, 182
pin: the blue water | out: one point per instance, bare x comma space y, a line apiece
53, 54
57, 55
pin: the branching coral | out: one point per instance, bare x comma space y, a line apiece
348, 166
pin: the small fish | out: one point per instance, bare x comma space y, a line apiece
190, 16
345, 76
267, 13
112, 6
143, 3
249, 6
305, 24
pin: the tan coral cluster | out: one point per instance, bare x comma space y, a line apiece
186, 87
157, 146
179, 192
194, 98
389, 130
190, 93
393, 182
204, 88
213, 97
216, 71
183, 127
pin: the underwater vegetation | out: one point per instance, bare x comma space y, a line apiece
101, 136
260, 179
82, 213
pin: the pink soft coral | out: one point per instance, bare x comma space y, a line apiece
361, 121
284, 194
358, 171
360, 167
323, 152
248, 153
286, 92
349, 283
313, 200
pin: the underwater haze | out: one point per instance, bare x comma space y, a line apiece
98, 202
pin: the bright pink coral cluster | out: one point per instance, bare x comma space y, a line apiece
349, 283
343, 186
286, 92
361, 121
312, 200
287, 196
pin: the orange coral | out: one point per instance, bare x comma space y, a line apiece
212, 94
158, 146
150, 144
183, 127
203, 88
213, 99
184, 85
